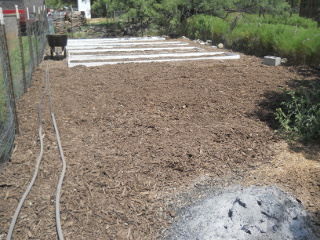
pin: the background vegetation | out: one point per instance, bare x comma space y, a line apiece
294, 38
257, 27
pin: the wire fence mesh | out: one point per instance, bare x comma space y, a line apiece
22, 44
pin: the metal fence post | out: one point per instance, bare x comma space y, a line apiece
40, 27
41, 14
36, 30
43, 25
9, 72
29, 30
46, 21
21, 50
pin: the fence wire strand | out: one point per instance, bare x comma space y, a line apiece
18, 58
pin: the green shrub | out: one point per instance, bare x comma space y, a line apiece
205, 27
300, 44
299, 116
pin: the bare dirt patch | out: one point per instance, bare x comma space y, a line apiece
95, 20
143, 140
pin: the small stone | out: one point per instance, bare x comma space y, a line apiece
220, 45
172, 213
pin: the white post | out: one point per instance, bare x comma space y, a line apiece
28, 17
1, 17
85, 5
17, 11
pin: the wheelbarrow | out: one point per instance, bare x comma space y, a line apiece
56, 40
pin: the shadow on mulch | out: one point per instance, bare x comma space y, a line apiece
273, 99
310, 150
267, 108
55, 58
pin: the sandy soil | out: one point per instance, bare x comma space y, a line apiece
95, 20
143, 140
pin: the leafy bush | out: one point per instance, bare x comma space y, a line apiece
299, 116
205, 27
252, 35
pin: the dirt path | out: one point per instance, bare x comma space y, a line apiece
142, 140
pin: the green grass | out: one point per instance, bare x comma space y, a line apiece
16, 64
110, 23
78, 35
295, 38
3, 100
294, 20
7, 132
17, 75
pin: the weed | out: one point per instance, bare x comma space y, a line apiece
299, 116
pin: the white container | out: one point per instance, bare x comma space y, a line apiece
272, 60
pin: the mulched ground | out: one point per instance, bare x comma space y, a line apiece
143, 140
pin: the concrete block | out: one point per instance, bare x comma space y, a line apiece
272, 60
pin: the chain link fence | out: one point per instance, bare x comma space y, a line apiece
22, 44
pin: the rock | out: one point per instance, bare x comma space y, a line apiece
220, 46
200, 42
172, 214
